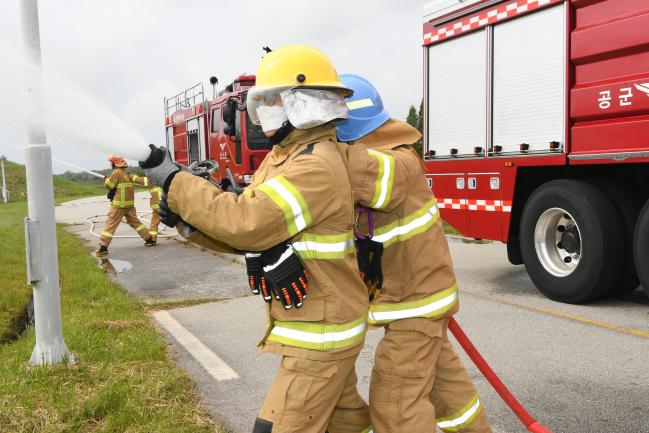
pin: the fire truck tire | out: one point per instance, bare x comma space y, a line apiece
641, 247
569, 236
628, 207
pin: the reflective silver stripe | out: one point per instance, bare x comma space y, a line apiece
324, 247
454, 423
318, 338
384, 184
435, 305
408, 228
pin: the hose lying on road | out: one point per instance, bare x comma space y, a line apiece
161, 230
530, 423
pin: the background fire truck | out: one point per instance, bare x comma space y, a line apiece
537, 135
217, 129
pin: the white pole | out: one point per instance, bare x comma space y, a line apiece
5, 197
40, 226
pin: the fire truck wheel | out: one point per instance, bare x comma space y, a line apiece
569, 238
641, 247
628, 207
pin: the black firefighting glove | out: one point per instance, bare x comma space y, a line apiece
255, 262
167, 217
368, 254
256, 279
111, 194
288, 276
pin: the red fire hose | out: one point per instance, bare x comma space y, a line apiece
502, 390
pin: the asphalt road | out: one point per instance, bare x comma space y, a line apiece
575, 368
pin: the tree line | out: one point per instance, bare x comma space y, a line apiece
416, 119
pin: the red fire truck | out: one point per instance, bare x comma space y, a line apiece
537, 135
217, 129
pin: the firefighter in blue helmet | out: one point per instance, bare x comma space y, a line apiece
417, 380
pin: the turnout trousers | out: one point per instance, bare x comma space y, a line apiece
115, 215
418, 382
155, 223
311, 396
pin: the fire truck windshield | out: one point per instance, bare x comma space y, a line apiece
256, 138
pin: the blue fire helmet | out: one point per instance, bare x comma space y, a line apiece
366, 112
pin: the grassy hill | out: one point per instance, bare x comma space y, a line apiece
64, 189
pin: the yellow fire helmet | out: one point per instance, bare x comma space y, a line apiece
299, 66
300, 83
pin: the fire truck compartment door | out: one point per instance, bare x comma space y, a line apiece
457, 94
196, 139
529, 72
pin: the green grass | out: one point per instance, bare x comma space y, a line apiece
449, 229
14, 291
64, 189
123, 380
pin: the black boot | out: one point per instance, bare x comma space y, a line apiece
149, 242
102, 251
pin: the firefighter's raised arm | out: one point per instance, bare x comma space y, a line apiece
265, 215
139, 180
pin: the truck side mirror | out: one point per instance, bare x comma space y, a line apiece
229, 114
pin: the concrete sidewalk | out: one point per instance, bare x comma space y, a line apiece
171, 271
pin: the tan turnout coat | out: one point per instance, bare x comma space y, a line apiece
301, 194
124, 193
388, 176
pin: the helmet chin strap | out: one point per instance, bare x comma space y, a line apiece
281, 133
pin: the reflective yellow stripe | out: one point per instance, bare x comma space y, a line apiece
435, 305
462, 418
109, 183
368, 430
155, 206
153, 232
325, 247
318, 336
157, 191
288, 198
403, 229
123, 203
106, 234
140, 227
384, 179
360, 103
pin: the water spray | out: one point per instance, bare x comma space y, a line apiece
60, 161
40, 226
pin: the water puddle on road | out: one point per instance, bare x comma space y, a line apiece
113, 266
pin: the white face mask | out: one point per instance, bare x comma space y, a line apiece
308, 108
271, 118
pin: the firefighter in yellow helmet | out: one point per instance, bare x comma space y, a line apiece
122, 196
154, 202
300, 194
417, 380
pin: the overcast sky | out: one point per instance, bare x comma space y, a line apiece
129, 54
